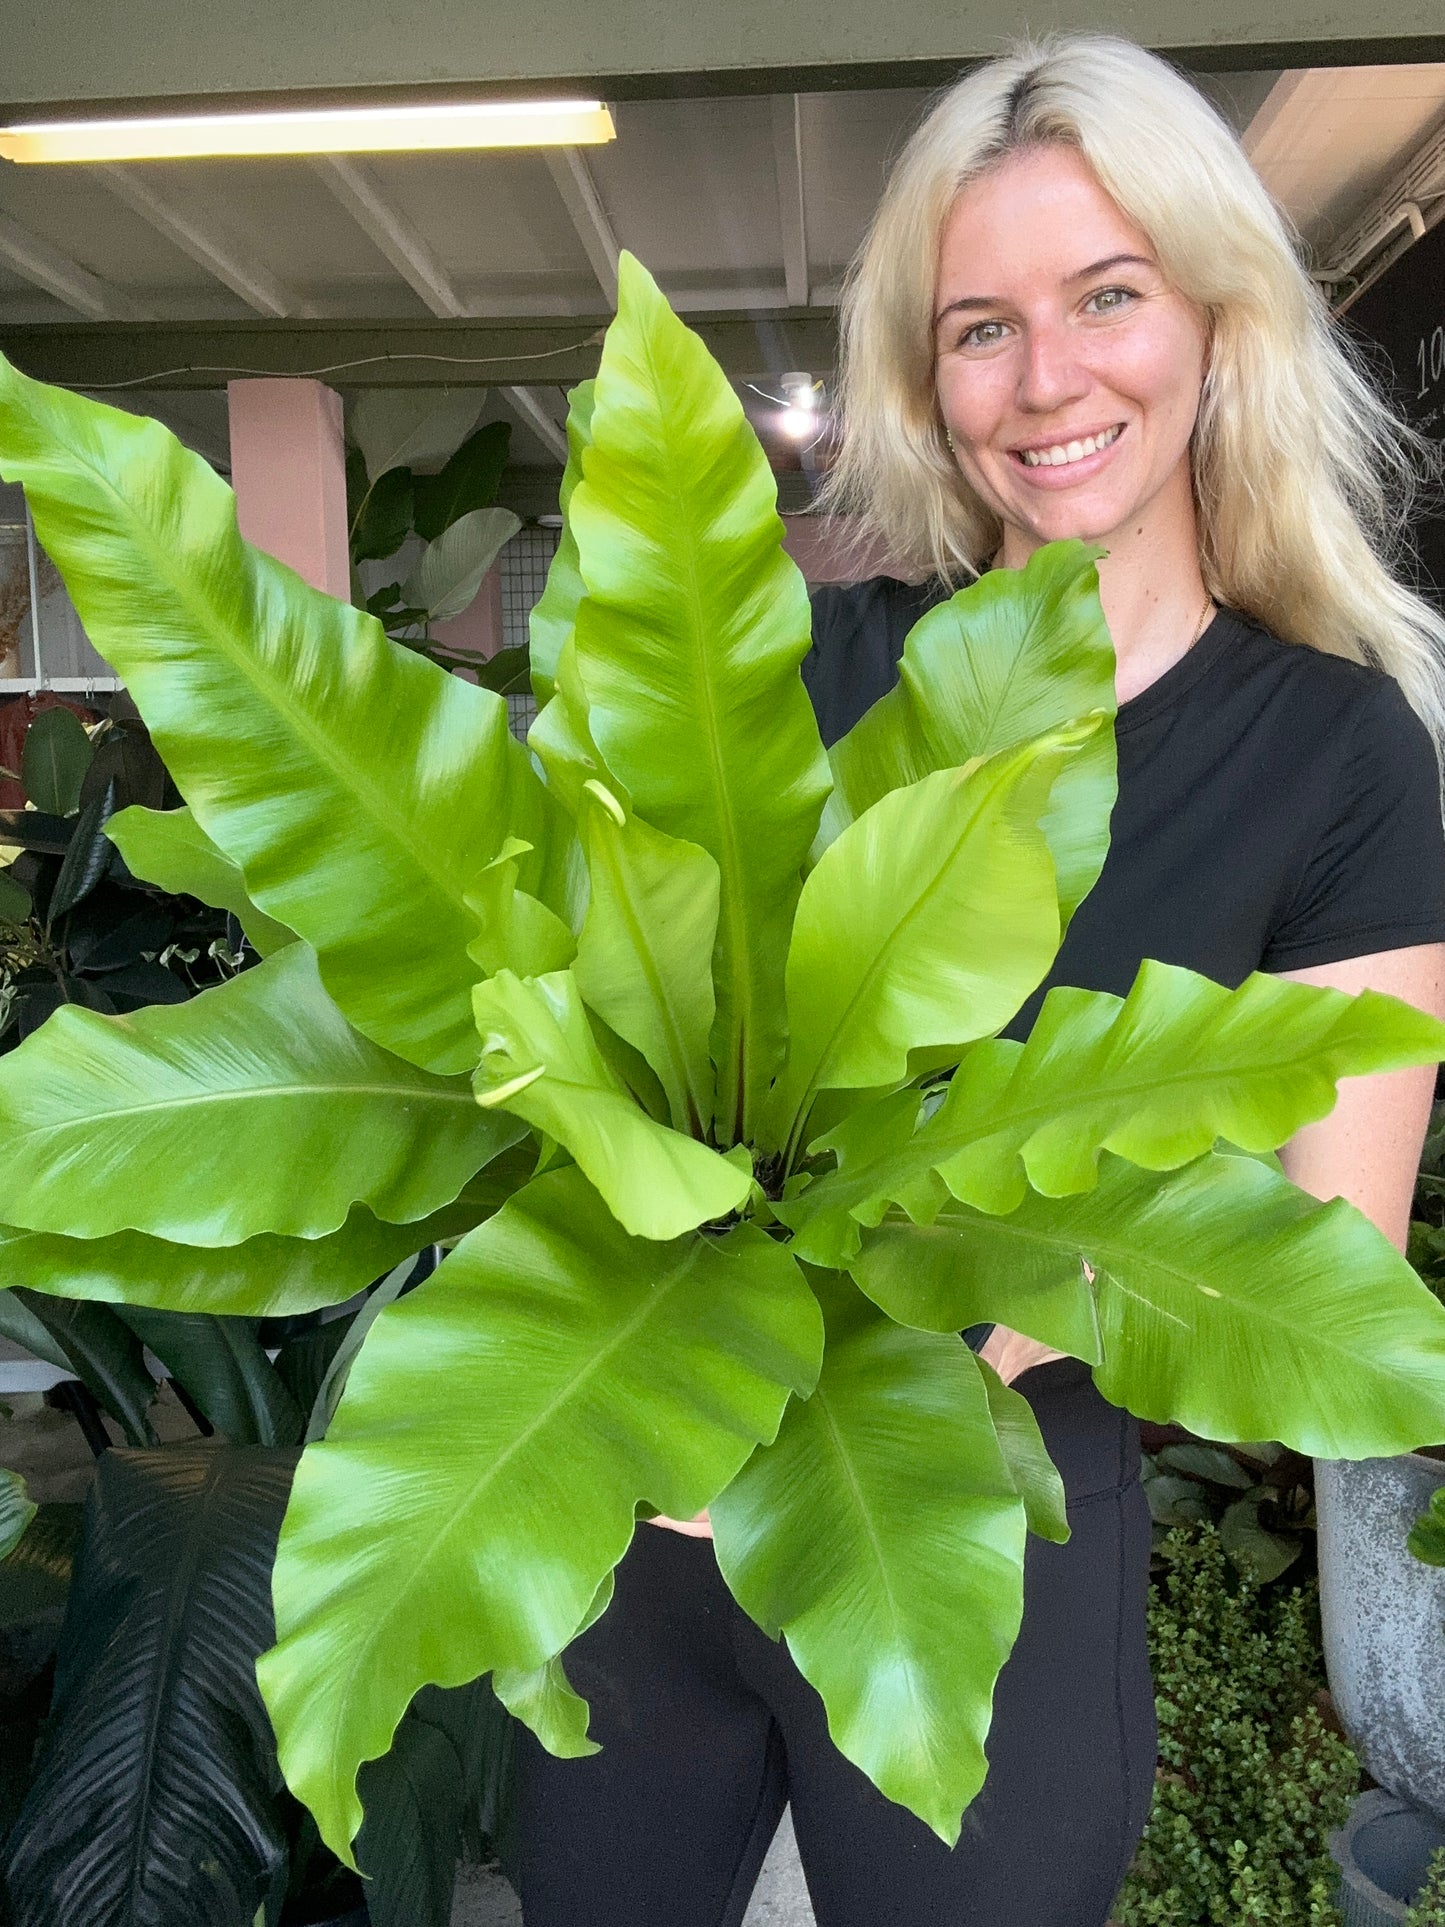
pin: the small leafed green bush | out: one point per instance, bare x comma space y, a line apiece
1429, 1907
1251, 1780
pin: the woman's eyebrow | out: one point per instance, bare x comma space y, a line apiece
1081, 274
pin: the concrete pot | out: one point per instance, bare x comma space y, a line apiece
1384, 1621
1383, 1852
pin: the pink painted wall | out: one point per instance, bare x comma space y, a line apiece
288, 468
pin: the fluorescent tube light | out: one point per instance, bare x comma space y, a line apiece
339, 130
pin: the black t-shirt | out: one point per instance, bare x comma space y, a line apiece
1277, 807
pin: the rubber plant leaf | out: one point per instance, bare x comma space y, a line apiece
358, 787
169, 848
301, 1117
56, 753
883, 1536
541, 1060
1010, 657
644, 953
1228, 1300
876, 970
154, 1796
639, 1371
688, 643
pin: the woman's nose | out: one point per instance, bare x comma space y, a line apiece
1051, 373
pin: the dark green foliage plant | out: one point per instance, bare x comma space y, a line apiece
1426, 1248
1259, 1495
1427, 1535
1252, 1781
76, 927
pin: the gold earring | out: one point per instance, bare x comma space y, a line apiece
948, 436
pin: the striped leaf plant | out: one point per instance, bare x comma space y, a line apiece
656, 1015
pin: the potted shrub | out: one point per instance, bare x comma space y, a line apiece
703, 985
1382, 1586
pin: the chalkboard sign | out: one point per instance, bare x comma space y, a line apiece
1404, 313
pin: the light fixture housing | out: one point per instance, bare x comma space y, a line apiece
333, 130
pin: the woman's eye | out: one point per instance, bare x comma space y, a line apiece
978, 336
1112, 299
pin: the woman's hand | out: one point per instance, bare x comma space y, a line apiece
1010, 1354
698, 1528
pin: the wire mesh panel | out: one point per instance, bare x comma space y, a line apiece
524, 564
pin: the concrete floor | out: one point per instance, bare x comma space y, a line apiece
780, 1898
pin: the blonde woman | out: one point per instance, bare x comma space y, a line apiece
1078, 313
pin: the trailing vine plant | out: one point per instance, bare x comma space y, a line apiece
702, 982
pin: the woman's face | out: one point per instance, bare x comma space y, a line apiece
1068, 370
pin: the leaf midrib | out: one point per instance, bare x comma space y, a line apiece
458, 1515
1090, 1246
734, 904
901, 1640
251, 1093
1049, 1108
347, 775
922, 901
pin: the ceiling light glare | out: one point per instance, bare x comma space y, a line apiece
338, 130
798, 424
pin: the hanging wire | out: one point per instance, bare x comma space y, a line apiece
332, 368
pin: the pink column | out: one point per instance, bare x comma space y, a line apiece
288, 468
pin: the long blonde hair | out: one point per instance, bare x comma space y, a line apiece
1303, 476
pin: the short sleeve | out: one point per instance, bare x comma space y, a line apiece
1376, 877
858, 634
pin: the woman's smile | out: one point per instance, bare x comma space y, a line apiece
1069, 459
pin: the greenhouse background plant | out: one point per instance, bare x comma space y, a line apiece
406, 475
75, 925
154, 1793
701, 981
1258, 1495
1252, 1781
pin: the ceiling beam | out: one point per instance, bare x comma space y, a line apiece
416, 353
168, 54
787, 112
255, 286
545, 427
35, 260
396, 238
569, 169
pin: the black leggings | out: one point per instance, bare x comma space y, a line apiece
707, 1729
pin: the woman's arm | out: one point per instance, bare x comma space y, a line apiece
1368, 1147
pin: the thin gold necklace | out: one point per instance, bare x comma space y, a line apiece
1203, 618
